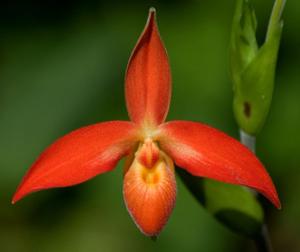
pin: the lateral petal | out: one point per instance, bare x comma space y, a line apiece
79, 156
148, 78
207, 152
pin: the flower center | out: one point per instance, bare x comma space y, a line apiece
148, 154
149, 162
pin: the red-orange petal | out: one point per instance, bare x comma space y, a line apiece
206, 152
148, 78
78, 156
150, 195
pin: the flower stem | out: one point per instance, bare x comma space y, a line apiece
262, 241
248, 140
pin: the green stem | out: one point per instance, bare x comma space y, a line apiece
262, 242
275, 17
248, 140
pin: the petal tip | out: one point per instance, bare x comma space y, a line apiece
279, 206
19, 194
152, 11
274, 199
15, 199
151, 21
277, 203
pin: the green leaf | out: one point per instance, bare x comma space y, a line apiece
234, 206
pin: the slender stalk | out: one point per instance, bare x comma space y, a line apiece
248, 140
275, 17
262, 242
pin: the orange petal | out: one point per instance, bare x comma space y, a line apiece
207, 152
148, 78
79, 156
150, 195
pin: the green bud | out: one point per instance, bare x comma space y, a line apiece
252, 68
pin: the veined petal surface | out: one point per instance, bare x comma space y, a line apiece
148, 78
207, 152
150, 195
79, 156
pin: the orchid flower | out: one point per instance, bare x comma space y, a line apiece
151, 146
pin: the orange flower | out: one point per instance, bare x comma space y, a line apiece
150, 145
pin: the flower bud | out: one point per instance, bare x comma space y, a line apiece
252, 68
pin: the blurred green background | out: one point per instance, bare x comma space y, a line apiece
62, 66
